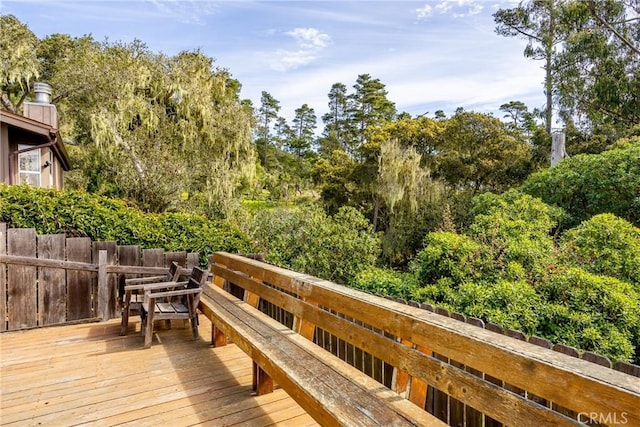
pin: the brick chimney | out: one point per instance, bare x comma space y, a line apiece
41, 109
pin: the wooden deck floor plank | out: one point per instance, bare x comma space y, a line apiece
276, 414
250, 416
124, 387
150, 389
76, 374
203, 410
213, 415
178, 406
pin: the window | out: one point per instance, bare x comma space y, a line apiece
29, 166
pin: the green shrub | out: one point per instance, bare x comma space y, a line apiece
331, 247
453, 256
81, 214
385, 282
591, 312
590, 184
604, 245
514, 305
515, 229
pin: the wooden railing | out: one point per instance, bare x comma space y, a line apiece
52, 279
465, 375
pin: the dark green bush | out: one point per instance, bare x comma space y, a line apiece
381, 281
604, 245
100, 218
453, 256
595, 313
331, 247
590, 184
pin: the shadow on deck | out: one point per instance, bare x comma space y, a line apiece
88, 374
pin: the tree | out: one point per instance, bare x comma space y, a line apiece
535, 21
337, 121
480, 153
139, 117
18, 62
598, 70
369, 105
269, 108
303, 132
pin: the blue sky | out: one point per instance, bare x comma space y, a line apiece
431, 55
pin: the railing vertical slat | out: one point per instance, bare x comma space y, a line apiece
3, 278
52, 293
110, 291
22, 280
79, 283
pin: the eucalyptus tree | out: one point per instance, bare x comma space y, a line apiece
537, 22
19, 64
598, 71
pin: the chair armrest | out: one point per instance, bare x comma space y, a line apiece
155, 295
144, 279
157, 285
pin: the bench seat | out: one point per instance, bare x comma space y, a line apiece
330, 390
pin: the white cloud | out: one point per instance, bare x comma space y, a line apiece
309, 38
425, 11
457, 8
309, 42
185, 11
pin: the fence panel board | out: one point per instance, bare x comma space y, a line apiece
22, 279
80, 295
3, 278
179, 257
112, 280
52, 293
153, 258
127, 255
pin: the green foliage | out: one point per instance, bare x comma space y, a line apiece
511, 304
18, 61
515, 228
595, 313
604, 245
381, 281
100, 218
452, 256
587, 185
331, 247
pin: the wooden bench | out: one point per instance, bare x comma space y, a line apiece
330, 390
437, 362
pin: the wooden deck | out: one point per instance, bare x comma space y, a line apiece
88, 374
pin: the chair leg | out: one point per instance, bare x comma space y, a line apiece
148, 330
125, 314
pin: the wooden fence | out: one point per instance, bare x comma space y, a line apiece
52, 279
459, 369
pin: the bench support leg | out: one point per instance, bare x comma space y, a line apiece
218, 338
262, 382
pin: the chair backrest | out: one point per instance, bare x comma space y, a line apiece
197, 278
174, 271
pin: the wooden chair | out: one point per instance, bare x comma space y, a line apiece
133, 291
172, 300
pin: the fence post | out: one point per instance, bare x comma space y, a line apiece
103, 286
